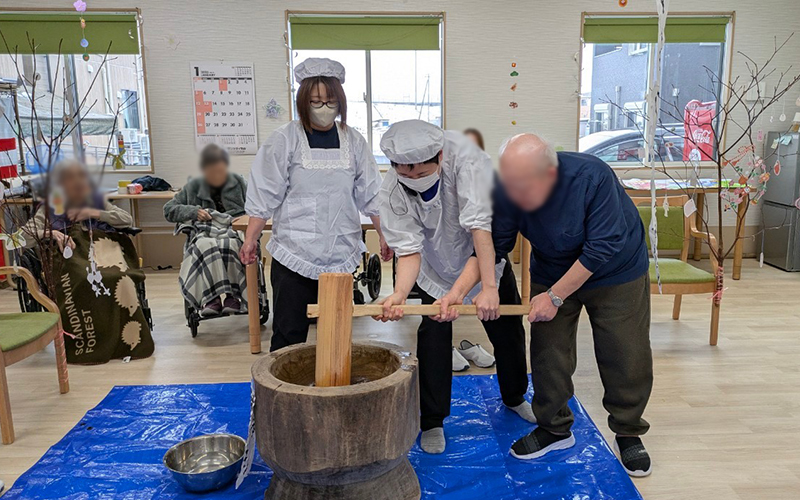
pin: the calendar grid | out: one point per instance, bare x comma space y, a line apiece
224, 106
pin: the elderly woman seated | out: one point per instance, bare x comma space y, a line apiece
95, 268
211, 267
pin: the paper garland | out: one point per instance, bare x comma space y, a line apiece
652, 97
513, 104
80, 6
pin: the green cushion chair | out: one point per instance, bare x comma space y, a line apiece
678, 277
24, 334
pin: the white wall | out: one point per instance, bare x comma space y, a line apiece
482, 39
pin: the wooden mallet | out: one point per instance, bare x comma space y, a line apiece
335, 312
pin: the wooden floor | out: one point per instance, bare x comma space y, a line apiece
725, 420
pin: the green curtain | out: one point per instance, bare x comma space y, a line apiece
706, 29
365, 33
47, 30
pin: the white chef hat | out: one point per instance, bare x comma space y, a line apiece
412, 141
318, 66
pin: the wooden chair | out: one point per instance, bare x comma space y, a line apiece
678, 277
24, 334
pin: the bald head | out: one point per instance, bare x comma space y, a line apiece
528, 170
527, 151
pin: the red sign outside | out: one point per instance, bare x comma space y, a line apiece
698, 123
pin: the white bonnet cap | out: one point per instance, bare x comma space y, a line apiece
318, 66
412, 141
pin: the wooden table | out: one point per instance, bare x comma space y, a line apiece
251, 277
134, 200
699, 194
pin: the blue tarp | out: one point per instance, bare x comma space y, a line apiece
115, 451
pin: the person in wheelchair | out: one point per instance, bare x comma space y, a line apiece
83, 206
98, 283
205, 209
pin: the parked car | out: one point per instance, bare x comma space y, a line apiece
627, 145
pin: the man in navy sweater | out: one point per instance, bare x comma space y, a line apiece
588, 251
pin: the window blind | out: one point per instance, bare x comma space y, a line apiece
47, 30
631, 29
365, 32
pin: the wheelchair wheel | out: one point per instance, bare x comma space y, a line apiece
374, 277
264, 316
194, 323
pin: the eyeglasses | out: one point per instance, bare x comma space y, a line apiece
319, 104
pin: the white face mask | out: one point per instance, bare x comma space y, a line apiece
324, 116
420, 184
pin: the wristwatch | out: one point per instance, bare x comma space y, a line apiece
555, 299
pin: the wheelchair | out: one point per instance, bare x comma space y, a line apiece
370, 276
31, 260
193, 317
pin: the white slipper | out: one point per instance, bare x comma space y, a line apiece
476, 354
459, 363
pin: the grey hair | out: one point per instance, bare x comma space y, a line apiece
549, 151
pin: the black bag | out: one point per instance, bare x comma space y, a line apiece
151, 183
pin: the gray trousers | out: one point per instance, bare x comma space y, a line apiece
620, 319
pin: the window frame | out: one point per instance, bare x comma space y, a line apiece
108, 167
727, 60
290, 60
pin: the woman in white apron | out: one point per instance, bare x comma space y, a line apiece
312, 177
436, 213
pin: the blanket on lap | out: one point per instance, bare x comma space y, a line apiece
100, 308
211, 265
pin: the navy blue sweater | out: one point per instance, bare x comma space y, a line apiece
588, 217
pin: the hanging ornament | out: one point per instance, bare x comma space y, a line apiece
513, 105
623, 3
514, 88
80, 6
513, 65
777, 168
514, 73
514, 122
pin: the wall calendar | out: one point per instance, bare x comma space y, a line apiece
225, 106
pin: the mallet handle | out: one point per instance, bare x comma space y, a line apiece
425, 310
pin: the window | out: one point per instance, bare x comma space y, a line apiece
102, 96
617, 63
393, 67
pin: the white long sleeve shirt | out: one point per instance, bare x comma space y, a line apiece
441, 229
314, 197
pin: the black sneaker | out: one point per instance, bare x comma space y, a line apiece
539, 443
633, 456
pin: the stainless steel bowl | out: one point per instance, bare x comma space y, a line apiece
205, 463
